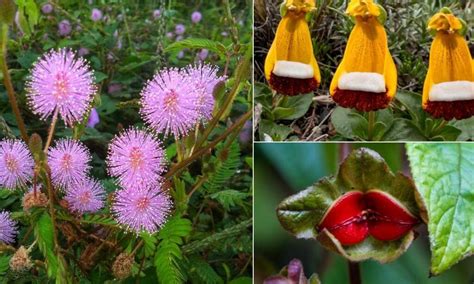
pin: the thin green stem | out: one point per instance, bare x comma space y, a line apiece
51, 130
180, 166
440, 127
371, 126
7, 80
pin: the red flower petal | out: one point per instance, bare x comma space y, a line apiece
450, 110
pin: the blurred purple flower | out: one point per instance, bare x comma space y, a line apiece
69, 162
93, 118
96, 15
203, 54
225, 34
196, 17
245, 135
179, 29
114, 88
169, 35
16, 164
203, 79
64, 28
142, 209
136, 158
293, 273
47, 8
180, 54
169, 103
83, 51
8, 228
87, 196
156, 14
179, 38
61, 82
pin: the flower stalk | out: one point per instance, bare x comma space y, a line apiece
7, 80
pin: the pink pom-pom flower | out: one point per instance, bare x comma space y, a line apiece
16, 164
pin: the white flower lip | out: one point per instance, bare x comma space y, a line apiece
452, 91
292, 69
362, 81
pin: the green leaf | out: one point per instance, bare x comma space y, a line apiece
98, 220
403, 130
204, 271
467, 131
168, 254
197, 43
4, 264
362, 170
45, 236
291, 108
149, 242
349, 123
277, 132
230, 198
443, 174
225, 164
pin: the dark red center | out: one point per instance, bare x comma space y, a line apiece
360, 100
451, 110
292, 86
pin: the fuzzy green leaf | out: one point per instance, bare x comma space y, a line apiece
4, 264
443, 174
44, 235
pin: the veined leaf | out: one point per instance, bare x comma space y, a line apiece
44, 235
443, 174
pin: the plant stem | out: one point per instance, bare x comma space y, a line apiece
370, 130
178, 167
354, 272
7, 80
51, 207
438, 128
51, 130
240, 75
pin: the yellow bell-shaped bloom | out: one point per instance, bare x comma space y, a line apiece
290, 65
448, 91
366, 78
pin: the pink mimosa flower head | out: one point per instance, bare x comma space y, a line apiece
196, 17
142, 209
204, 79
69, 162
16, 164
86, 196
136, 158
61, 82
8, 228
168, 103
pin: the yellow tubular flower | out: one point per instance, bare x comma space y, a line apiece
448, 91
366, 78
290, 66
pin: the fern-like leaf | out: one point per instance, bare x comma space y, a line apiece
226, 163
230, 198
169, 254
